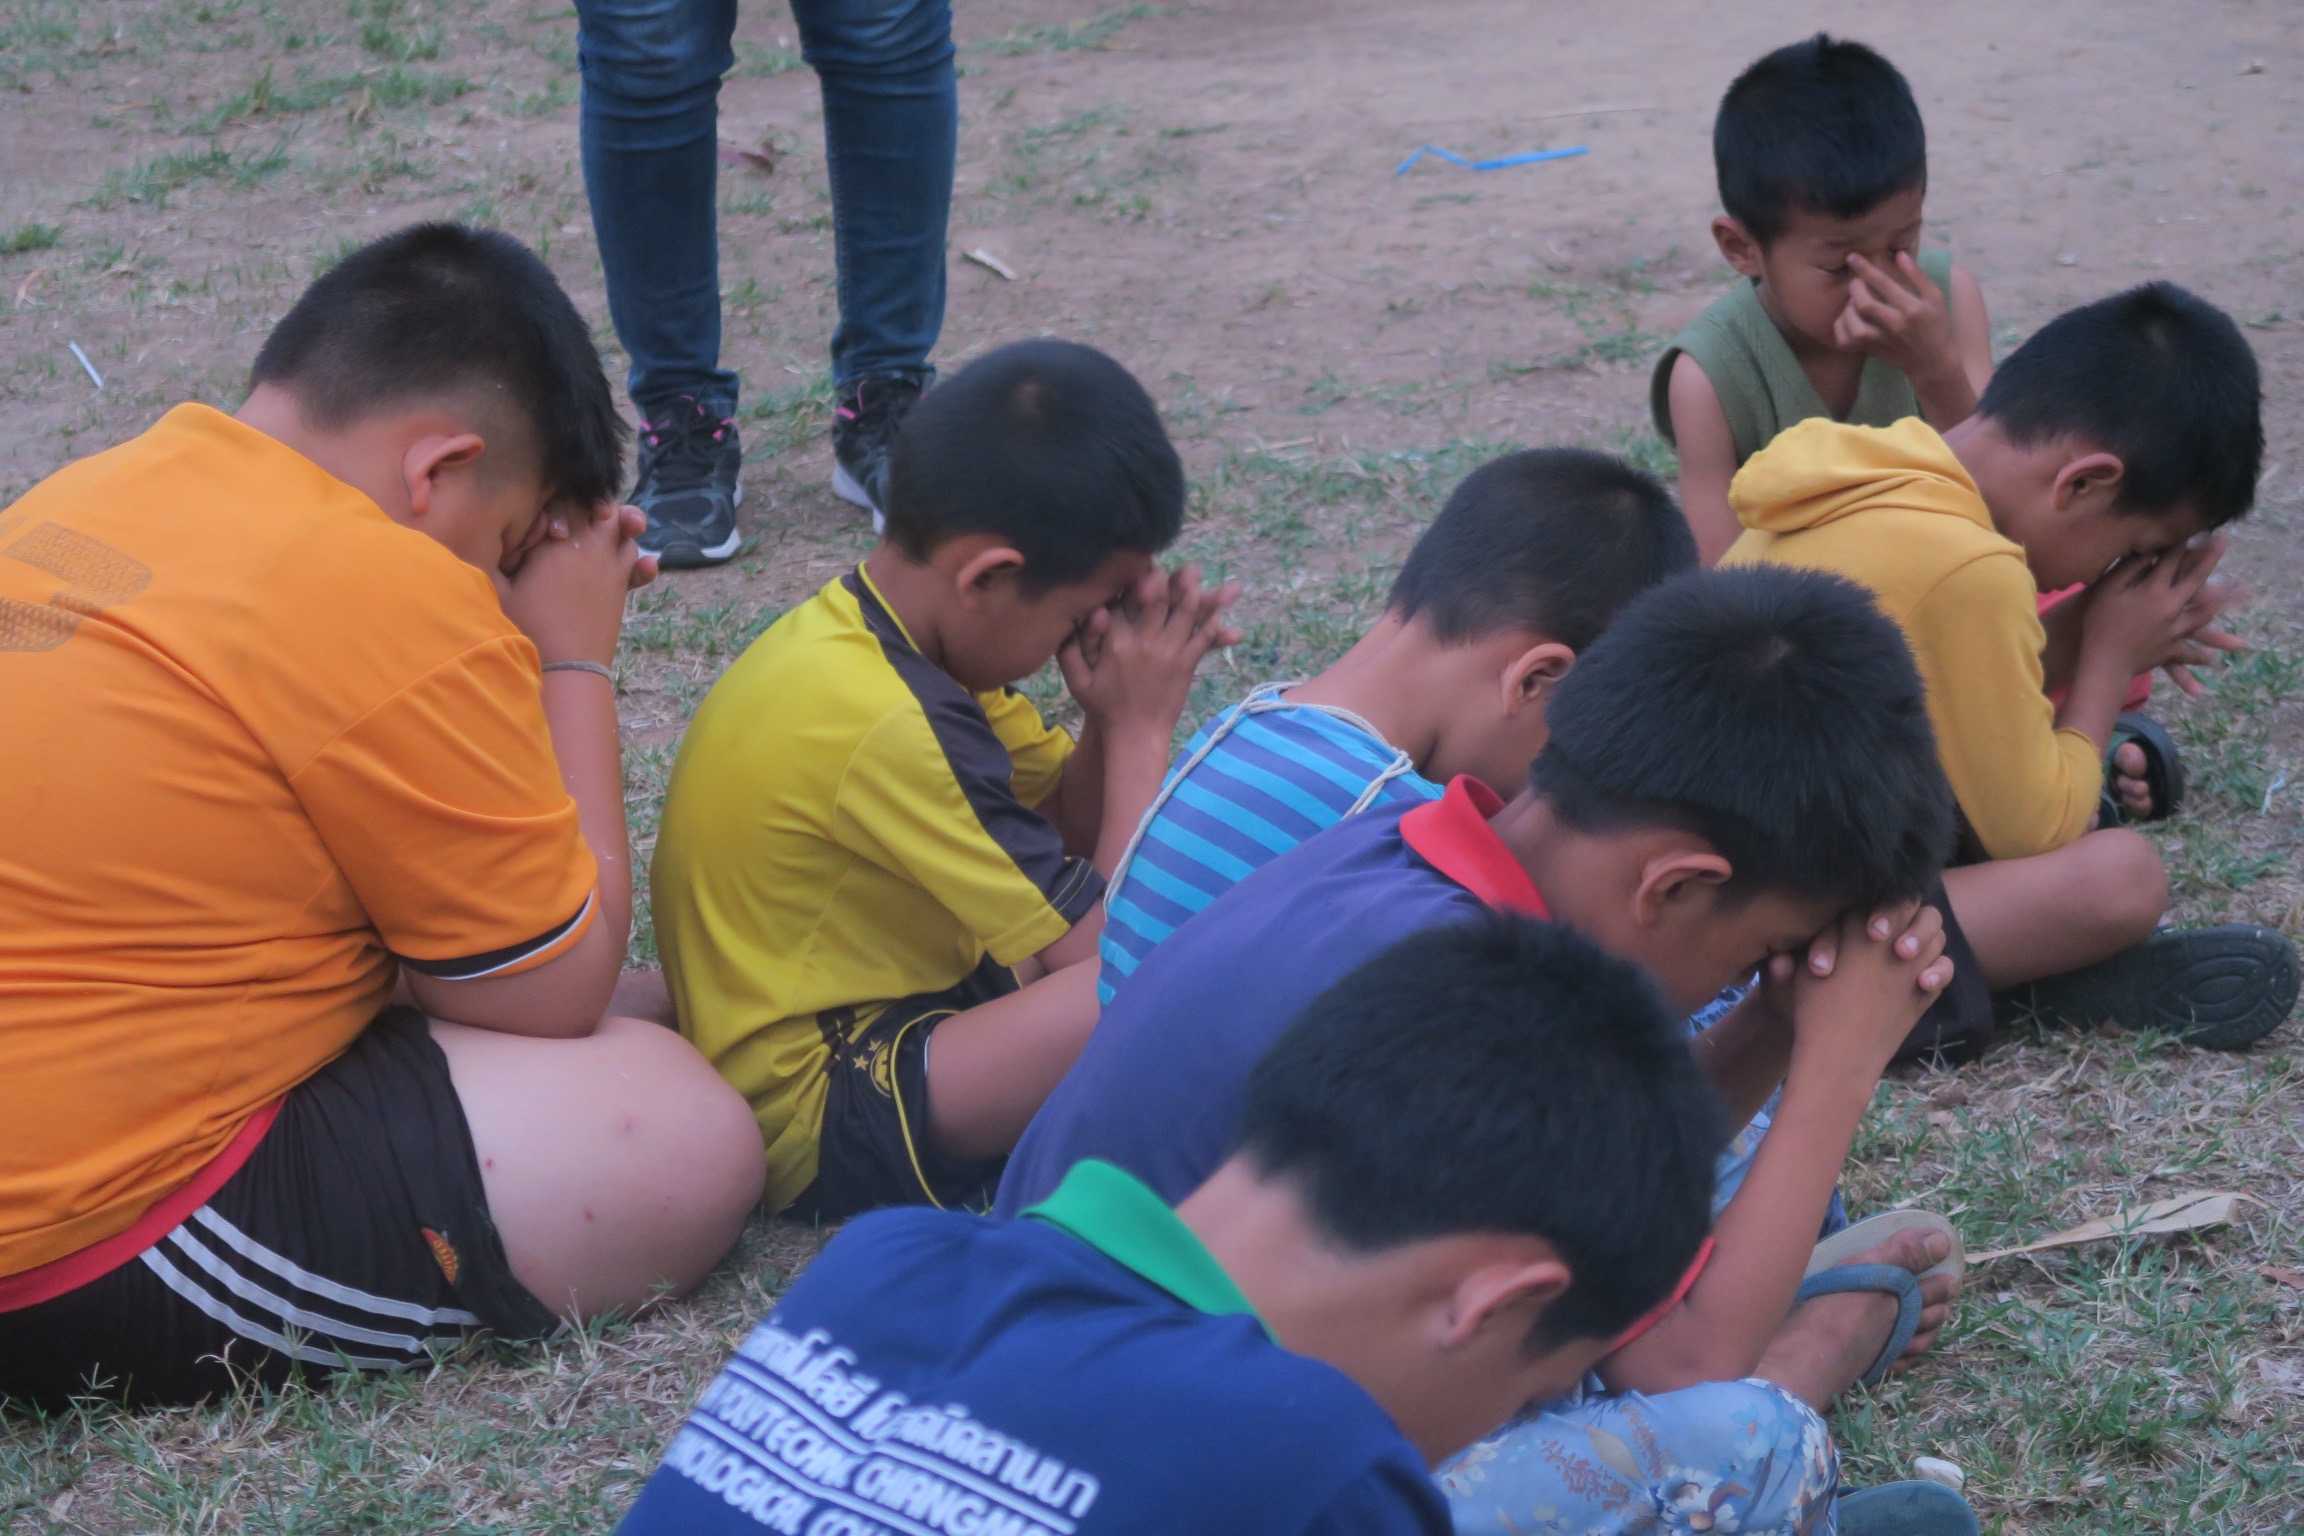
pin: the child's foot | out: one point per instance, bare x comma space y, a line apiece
2127, 782
1828, 1344
2144, 776
2222, 988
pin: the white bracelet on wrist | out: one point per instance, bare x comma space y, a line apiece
599, 668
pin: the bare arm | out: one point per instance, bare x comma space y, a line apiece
1848, 1025
1898, 315
1971, 330
2063, 625
569, 598
1746, 1054
1707, 458
1132, 692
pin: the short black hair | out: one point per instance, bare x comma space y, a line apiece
1501, 1075
1552, 540
1824, 125
438, 308
2157, 375
1050, 445
1777, 714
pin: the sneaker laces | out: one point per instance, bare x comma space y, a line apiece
684, 445
877, 402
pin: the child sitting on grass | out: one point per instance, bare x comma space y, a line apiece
1737, 764
1525, 565
1285, 1348
1822, 164
1823, 171
315, 886
876, 886
2105, 449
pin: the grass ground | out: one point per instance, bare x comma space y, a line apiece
1205, 191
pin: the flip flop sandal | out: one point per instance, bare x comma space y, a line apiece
2219, 988
2163, 771
1828, 1275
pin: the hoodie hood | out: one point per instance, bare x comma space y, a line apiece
1819, 471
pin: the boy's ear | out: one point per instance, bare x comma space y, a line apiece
428, 458
1671, 877
1535, 669
986, 569
1509, 1292
2092, 480
1737, 247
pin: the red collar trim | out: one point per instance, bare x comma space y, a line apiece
1453, 836
1664, 1308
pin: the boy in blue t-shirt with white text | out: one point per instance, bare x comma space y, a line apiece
1295, 1343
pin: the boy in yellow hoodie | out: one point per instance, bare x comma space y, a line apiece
2105, 450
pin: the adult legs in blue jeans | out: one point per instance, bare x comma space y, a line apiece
891, 127
650, 117
652, 72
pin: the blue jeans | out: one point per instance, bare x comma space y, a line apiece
652, 72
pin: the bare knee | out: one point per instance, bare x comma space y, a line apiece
2125, 889
700, 1125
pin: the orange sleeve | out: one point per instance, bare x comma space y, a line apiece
445, 809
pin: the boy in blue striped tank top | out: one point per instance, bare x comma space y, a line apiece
1529, 560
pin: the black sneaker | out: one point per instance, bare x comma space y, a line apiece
863, 425
2223, 988
689, 485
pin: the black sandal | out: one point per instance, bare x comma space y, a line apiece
2163, 771
2219, 988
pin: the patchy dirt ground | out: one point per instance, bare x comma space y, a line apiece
1207, 191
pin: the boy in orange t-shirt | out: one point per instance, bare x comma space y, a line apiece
316, 885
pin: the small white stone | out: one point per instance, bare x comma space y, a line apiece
1935, 1469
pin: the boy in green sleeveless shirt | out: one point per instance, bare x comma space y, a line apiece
1823, 167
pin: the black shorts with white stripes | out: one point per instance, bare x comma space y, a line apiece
356, 1237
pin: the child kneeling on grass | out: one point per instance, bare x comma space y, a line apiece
1285, 1348
2105, 450
876, 886
1739, 771
312, 703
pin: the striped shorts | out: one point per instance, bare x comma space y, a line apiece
355, 1237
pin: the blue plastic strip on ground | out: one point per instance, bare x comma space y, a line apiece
1502, 162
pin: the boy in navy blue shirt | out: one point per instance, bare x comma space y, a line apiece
1292, 1345
1733, 767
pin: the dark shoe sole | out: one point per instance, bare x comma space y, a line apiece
2219, 988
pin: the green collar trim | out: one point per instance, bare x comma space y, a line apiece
1114, 1213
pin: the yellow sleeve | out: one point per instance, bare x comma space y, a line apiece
2025, 785
1037, 749
933, 800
